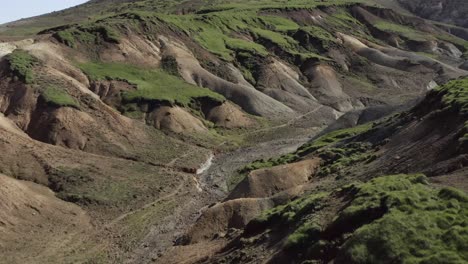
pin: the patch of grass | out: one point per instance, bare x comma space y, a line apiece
390, 219
308, 55
323, 35
345, 17
58, 97
455, 94
333, 137
261, 164
401, 30
334, 158
152, 84
213, 41
276, 38
294, 210
21, 64
307, 233
214, 31
341, 20
245, 46
280, 24
66, 37
337, 159
419, 224
87, 34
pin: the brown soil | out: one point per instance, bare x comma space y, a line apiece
228, 115
53, 227
110, 92
176, 119
267, 182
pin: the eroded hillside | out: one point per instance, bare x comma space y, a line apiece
179, 131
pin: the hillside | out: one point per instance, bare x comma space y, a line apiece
365, 194
448, 11
243, 131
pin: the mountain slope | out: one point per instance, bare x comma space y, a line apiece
449, 11
346, 211
170, 124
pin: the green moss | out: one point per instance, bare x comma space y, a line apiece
213, 31
401, 30
261, 164
280, 24
294, 210
454, 97
213, 41
241, 45
302, 57
152, 84
109, 34
66, 37
419, 225
342, 21
58, 97
390, 219
455, 94
276, 38
337, 159
334, 159
21, 64
307, 233
333, 137
321, 34
87, 34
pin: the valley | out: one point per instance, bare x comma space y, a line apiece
247, 131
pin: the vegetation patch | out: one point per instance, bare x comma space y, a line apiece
420, 224
390, 219
21, 65
455, 94
276, 38
90, 34
214, 31
321, 34
241, 45
333, 137
334, 159
293, 211
56, 97
152, 84
260, 164
401, 30
337, 159
169, 64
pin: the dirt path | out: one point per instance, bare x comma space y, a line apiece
145, 206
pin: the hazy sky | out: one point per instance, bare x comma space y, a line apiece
11, 10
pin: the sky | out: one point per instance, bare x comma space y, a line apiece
12, 10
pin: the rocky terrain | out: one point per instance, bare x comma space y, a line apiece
447, 11
235, 132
